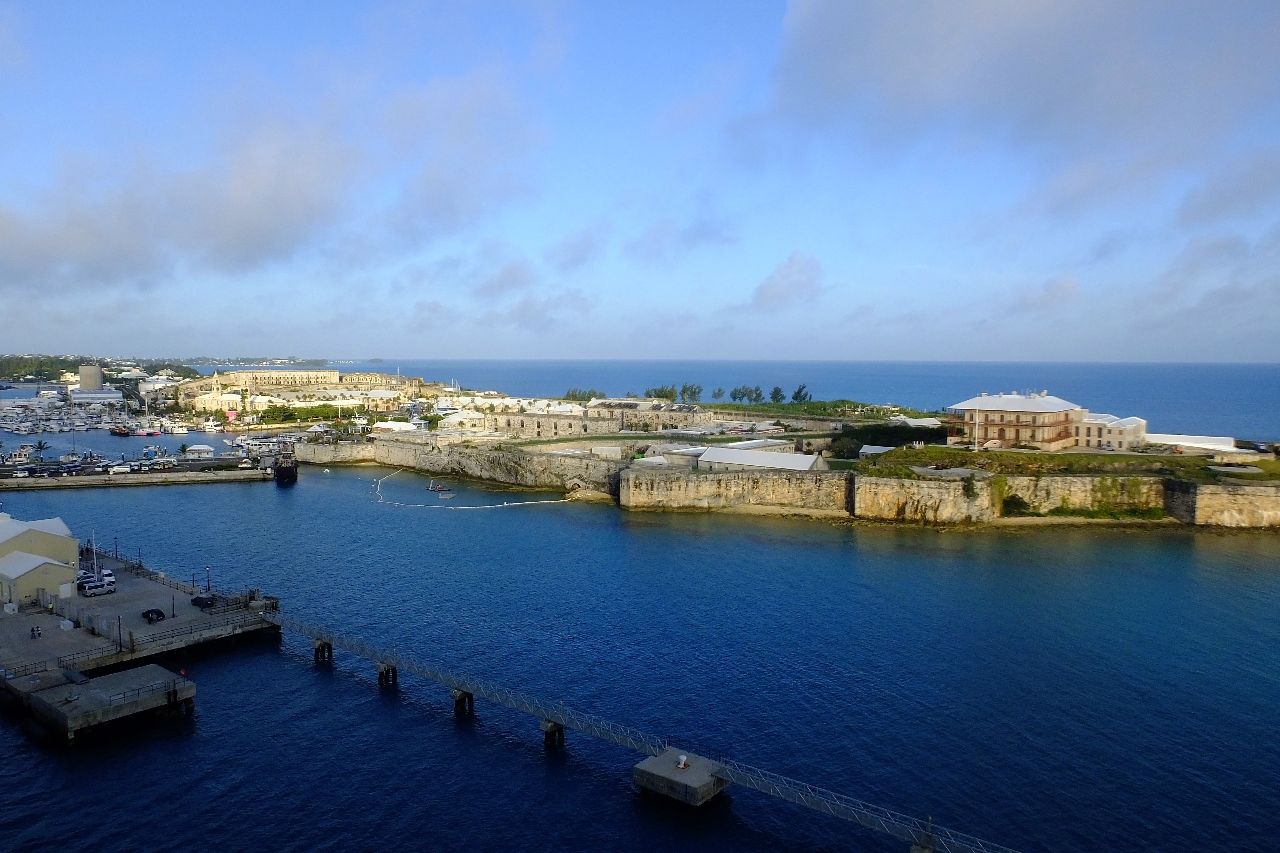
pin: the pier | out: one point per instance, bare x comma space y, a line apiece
150, 478
665, 769
46, 650
68, 702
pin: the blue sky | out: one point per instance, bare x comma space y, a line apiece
1012, 180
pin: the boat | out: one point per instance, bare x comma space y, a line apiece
434, 487
120, 430
285, 469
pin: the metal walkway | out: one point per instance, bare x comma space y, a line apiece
922, 834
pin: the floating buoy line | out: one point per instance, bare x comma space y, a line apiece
377, 492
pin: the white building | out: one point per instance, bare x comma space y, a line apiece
1044, 422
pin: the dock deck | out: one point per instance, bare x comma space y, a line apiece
68, 703
85, 634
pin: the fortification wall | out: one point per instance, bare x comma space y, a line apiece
500, 465
921, 501
594, 422
1238, 506
822, 494
1046, 493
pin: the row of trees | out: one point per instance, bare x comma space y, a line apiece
692, 393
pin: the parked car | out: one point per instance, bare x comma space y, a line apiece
153, 615
203, 600
97, 588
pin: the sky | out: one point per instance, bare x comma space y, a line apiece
1009, 180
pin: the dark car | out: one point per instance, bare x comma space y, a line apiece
203, 601
153, 615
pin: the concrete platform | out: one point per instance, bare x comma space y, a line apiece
694, 784
69, 703
112, 629
156, 478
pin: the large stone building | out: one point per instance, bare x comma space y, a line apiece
36, 557
1044, 422
255, 390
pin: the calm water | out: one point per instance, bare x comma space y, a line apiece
1242, 400
1063, 690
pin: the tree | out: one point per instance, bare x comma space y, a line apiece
662, 392
801, 394
776, 394
41, 447
690, 393
738, 394
717, 394
583, 394
182, 448
757, 395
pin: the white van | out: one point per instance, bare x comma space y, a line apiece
118, 469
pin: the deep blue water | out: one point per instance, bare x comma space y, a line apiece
1068, 690
1242, 400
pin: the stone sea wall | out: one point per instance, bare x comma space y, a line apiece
500, 465
1043, 494
1234, 505
829, 494
821, 494
921, 501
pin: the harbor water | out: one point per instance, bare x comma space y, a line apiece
1069, 689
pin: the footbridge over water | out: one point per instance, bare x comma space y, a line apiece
666, 769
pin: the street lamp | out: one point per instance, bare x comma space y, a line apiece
207, 583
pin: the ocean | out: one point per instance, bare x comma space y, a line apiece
1240, 400
1052, 690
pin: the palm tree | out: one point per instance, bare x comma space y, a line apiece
40, 448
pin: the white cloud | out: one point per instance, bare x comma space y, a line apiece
796, 281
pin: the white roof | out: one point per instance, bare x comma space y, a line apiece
11, 527
394, 426
199, 447
1206, 442
759, 458
916, 422
873, 449
1044, 402
16, 564
758, 443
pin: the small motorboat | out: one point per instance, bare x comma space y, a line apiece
435, 487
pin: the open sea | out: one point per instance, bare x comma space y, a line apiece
1074, 689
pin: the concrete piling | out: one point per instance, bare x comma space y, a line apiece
464, 704
388, 676
323, 652
552, 735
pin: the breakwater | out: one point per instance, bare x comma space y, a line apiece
151, 478
829, 494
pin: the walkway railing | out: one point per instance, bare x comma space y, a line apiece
912, 830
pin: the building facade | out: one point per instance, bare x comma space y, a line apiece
1044, 422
